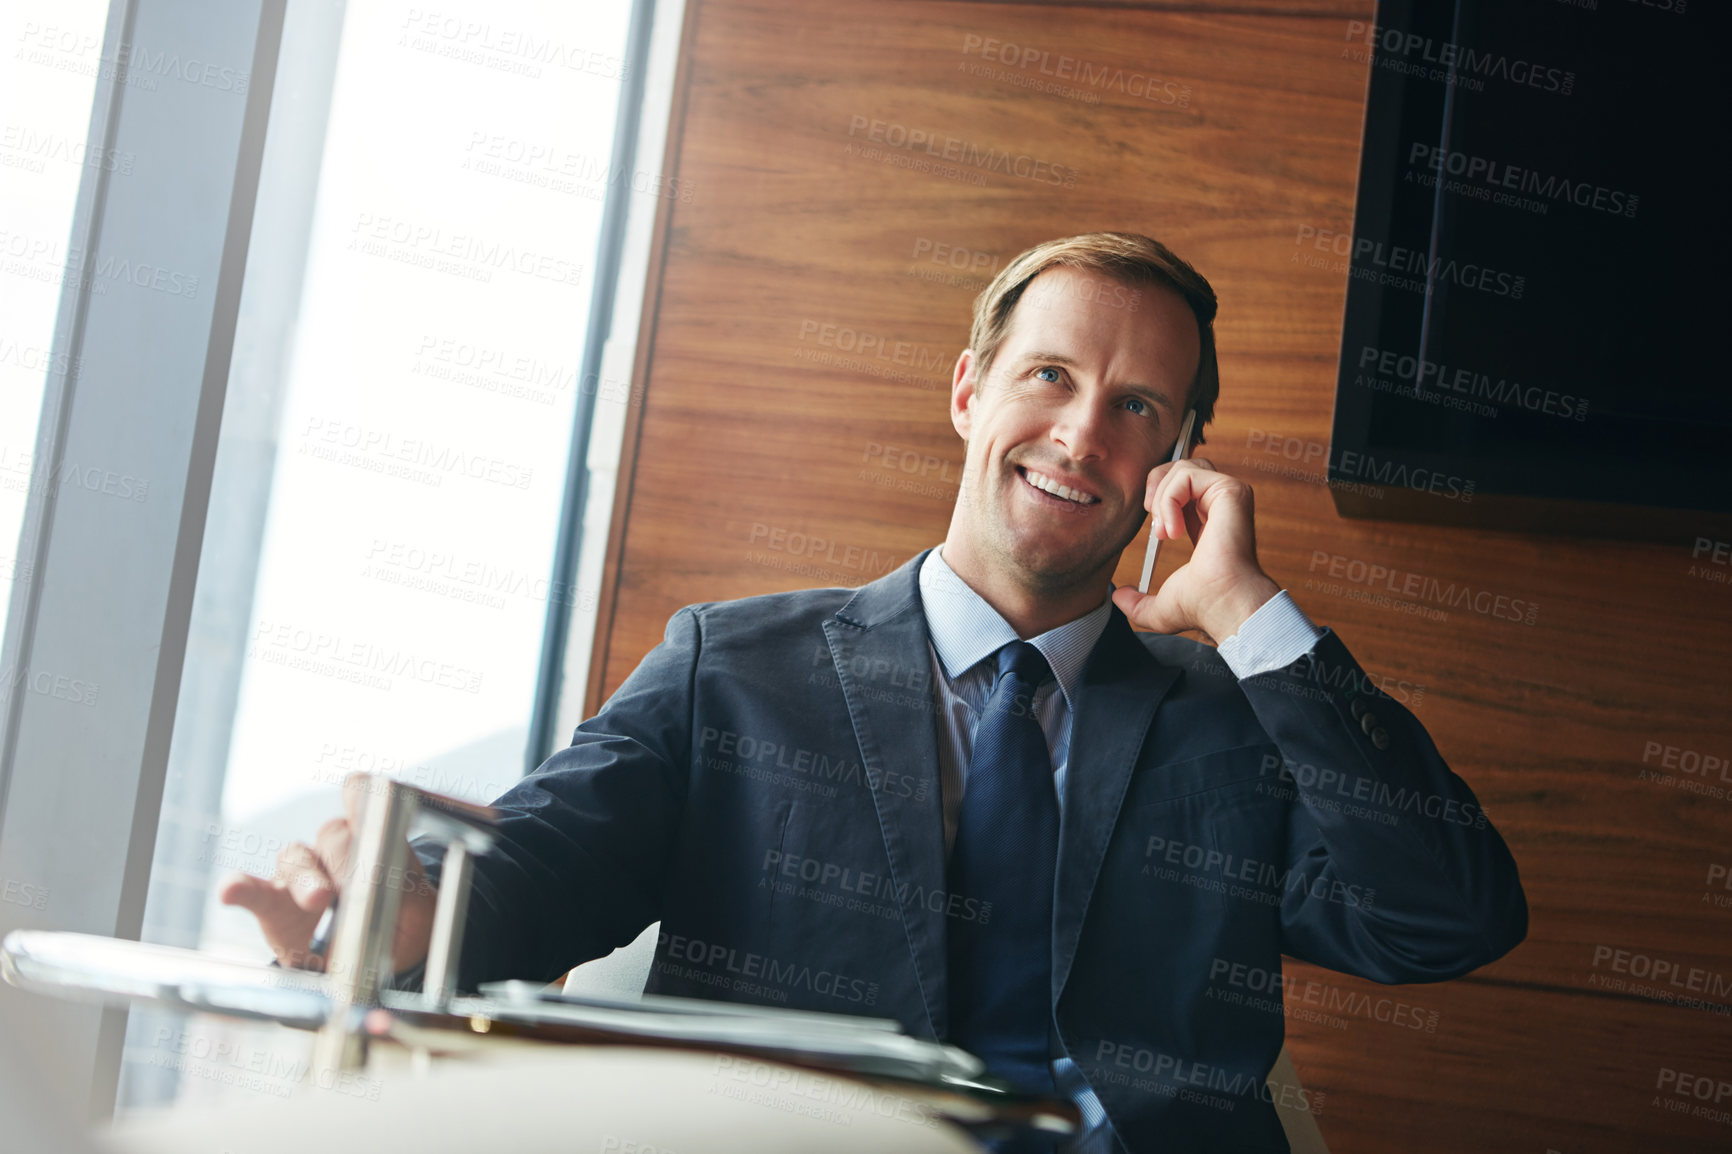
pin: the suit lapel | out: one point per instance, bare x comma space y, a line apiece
878, 641
1122, 686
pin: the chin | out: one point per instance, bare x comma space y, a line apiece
1055, 563
1062, 559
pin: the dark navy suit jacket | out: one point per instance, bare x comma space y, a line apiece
766, 784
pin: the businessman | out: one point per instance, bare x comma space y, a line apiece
970, 797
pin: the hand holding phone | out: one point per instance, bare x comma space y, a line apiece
1180, 452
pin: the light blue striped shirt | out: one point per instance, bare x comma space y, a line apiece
965, 630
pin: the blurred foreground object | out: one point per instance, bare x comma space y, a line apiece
675, 1074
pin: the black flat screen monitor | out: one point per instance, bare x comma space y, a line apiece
1537, 307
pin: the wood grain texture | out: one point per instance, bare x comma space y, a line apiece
767, 457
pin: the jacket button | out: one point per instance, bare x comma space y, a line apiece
1380, 738
1357, 708
1368, 721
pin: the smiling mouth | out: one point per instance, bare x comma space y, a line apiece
1054, 488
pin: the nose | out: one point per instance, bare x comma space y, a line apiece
1080, 427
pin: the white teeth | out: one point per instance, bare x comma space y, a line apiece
1048, 485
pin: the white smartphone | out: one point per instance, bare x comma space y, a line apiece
1180, 452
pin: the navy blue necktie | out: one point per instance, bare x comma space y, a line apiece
1005, 853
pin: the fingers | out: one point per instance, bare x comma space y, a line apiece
309, 878
304, 877
1133, 605
263, 898
287, 926
1147, 610
1177, 496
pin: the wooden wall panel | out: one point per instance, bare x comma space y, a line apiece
754, 433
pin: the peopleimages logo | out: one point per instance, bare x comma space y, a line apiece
964, 152
34, 150
1690, 986
88, 54
1089, 75
1495, 174
19, 471
1399, 259
1472, 383
1424, 589
754, 974
38, 359
1419, 53
1351, 465
1396, 266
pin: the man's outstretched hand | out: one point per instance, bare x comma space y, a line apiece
309, 878
1222, 584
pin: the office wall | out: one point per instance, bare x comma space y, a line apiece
813, 292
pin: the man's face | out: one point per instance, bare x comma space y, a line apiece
1085, 397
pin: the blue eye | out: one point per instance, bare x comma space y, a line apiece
1142, 405
1049, 369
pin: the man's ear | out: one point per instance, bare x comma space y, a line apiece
962, 389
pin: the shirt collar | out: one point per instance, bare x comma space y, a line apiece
965, 629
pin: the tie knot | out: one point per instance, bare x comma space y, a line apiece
1023, 661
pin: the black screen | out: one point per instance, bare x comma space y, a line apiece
1537, 297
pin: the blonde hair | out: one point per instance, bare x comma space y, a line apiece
1127, 256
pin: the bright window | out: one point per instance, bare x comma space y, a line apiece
376, 568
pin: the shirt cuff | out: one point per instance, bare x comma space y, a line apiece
1275, 636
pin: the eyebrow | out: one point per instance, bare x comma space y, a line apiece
1148, 392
